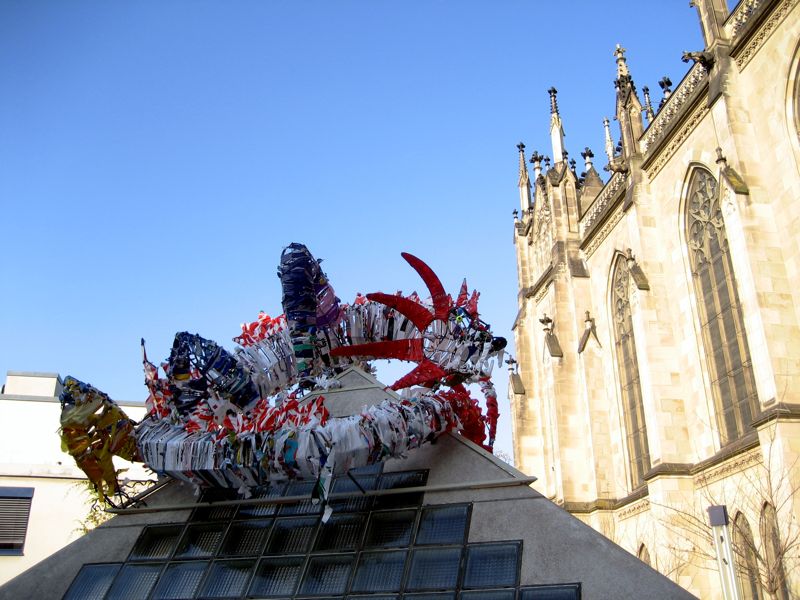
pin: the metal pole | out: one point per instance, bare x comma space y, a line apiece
718, 519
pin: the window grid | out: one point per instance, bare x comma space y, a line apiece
320, 571
728, 358
628, 365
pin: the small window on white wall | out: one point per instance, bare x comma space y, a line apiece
15, 508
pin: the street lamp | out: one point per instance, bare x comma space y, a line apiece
718, 519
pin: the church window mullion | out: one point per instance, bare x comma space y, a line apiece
630, 386
722, 325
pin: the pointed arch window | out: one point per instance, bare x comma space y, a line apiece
628, 365
747, 563
774, 550
728, 358
644, 555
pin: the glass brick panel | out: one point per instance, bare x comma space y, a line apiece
341, 533
228, 579
445, 525
156, 542
292, 535
92, 582
305, 507
374, 597
262, 510
345, 485
434, 568
387, 529
491, 565
551, 592
402, 479
379, 571
246, 538
200, 541
276, 577
213, 513
327, 575
489, 595
441, 596
180, 580
134, 582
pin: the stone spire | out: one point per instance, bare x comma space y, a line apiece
592, 184
587, 156
609, 145
629, 109
622, 64
523, 168
524, 182
556, 127
536, 161
648, 106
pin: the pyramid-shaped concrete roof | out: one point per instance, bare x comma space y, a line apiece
449, 519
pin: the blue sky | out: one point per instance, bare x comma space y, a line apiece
155, 157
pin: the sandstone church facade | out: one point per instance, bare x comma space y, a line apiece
658, 332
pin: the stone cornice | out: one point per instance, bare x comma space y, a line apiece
606, 503
544, 280
634, 509
593, 242
600, 206
737, 456
684, 95
778, 412
603, 215
680, 130
670, 470
752, 23
739, 462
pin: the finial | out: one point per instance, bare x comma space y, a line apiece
523, 169
553, 100
665, 83
589, 330
622, 66
638, 276
587, 156
564, 155
515, 212
547, 163
609, 145
536, 160
572, 165
720, 157
648, 107
551, 341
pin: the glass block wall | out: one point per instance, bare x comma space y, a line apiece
377, 548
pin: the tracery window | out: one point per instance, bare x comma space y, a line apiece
773, 552
630, 387
747, 563
728, 358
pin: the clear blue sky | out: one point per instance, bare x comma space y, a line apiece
156, 156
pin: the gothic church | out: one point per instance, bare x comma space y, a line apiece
658, 332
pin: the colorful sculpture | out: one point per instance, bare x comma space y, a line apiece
240, 419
